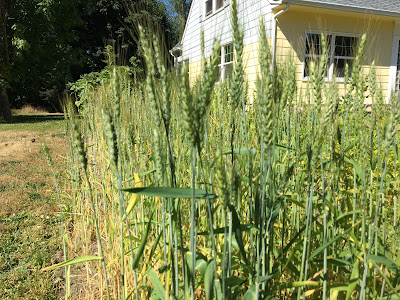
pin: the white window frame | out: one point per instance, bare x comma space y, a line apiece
396, 87
222, 65
214, 8
331, 55
393, 62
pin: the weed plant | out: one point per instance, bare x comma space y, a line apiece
189, 191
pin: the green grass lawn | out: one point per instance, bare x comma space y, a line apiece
35, 123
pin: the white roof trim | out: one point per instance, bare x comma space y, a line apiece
342, 7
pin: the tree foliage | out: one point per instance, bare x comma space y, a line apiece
181, 8
38, 49
44, 44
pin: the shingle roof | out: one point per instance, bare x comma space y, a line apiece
384, 7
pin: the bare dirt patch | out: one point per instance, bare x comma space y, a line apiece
17, 145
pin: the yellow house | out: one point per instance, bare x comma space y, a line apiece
294, 27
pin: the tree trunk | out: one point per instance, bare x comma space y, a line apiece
5, 112
3, 33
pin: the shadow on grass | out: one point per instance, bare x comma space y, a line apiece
35, 118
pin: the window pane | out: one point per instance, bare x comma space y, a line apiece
339, 66
220, 3
208, 7
345, 45
398, 58
218, 73
316, 60
313, 43
397, 86
228, 71
306, 71
228, 53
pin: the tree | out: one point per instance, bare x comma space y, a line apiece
5, 112
36, 49
181, 8
111, 22
42, 47
42, 38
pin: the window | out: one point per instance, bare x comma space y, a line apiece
225, 68
344, 53
313, 51
209, 7
212, 6
341, 50
397, 85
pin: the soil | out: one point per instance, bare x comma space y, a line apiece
19, 145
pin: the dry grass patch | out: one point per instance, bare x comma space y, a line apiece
29, 110
29, 213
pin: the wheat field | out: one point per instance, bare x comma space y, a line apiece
184, 191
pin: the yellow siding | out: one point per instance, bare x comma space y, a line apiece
291, 29
292, 26
251, 65
195, 70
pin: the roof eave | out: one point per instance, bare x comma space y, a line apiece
343, 7
177, 47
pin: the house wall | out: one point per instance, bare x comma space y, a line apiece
251, 65
292, 26
218, 26
291, 29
